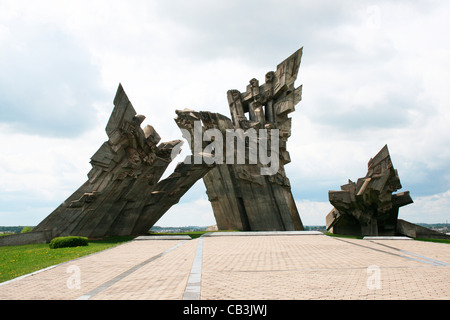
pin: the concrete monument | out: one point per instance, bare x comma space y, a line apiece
369, 207
241, 196
124, 193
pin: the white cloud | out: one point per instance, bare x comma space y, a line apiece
372, 74
39, 172
428, 209
48, 84
190, 212
385, 83
313, 213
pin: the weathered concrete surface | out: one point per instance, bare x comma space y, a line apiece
241, 196
123, 194
369, 207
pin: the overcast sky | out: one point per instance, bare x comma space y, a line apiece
373, 73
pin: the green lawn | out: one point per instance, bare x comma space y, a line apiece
16, 261
19, 260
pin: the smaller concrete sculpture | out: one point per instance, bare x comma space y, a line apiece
369, 207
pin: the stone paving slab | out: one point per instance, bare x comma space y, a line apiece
162, 279
318, 267
433, 250
269, 267
60, 282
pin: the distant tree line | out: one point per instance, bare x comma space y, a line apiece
177, 229
15, 229
315, 228
22, 229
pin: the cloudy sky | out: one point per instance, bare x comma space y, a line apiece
373, 73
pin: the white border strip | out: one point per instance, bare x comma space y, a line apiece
194, 283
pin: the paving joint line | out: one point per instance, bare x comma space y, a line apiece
126, 273
194, 283
383, 251
310, 269
433, 261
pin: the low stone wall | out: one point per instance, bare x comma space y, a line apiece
26, 238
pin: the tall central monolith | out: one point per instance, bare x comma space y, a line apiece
245, 194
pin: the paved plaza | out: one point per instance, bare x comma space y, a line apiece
247, 266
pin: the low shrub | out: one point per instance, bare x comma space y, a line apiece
71, 241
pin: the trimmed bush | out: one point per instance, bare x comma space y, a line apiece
71, 241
